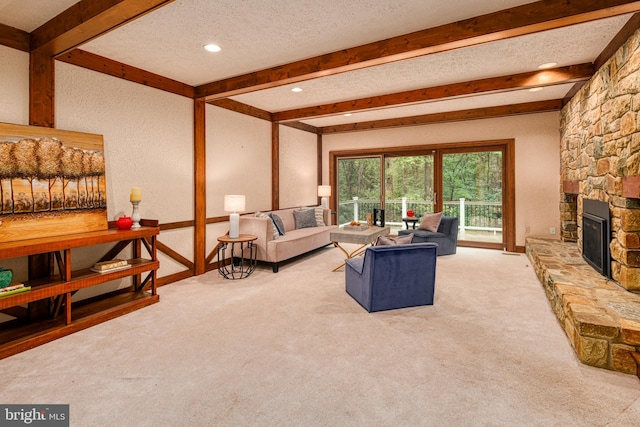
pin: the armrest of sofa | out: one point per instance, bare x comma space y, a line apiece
261, 227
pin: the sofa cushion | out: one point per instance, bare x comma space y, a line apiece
305, 218
400, 240
319, 210
430, 221
277, 222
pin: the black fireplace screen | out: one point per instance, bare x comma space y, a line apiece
596, 235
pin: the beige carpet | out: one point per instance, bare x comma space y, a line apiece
293, 349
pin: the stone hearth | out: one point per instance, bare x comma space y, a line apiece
601, 319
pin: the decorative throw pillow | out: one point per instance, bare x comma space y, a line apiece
404, 240
305, 218
430, 221
319, 216
388, 241
273, 225
277, 221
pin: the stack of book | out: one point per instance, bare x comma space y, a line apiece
113, 265
14, 288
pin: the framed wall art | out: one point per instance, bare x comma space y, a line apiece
52, 182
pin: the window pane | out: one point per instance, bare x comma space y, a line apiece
358, 188
472, 191
408, 186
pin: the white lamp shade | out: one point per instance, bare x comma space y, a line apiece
234, 203
324, 190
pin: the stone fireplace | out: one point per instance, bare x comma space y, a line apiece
600, 159
600, 166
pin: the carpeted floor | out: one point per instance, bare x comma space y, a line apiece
293, 349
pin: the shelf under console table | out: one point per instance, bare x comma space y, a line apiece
61, 316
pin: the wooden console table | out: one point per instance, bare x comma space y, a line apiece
64, 317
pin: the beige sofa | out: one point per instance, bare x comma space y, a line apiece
294, 242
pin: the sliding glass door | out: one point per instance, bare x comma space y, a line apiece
473, 182
472, 191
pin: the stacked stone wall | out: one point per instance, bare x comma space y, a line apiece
600, 145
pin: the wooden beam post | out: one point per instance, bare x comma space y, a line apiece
200, 186
41, 90
319, 160
275, 166
41, 113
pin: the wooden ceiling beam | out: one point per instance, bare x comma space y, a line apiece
14, 38
98, 63
239, 107
450, 116
555, 76
517, 21
302, 126
86, 20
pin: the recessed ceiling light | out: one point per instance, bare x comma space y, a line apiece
296, 89
547, 65
536, 89
212, 47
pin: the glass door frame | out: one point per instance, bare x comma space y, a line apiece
506, 146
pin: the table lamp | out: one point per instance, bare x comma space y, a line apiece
234, 203
324, 191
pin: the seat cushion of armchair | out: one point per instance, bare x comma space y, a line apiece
446, 237
422, 233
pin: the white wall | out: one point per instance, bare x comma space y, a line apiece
148, 142
238, 162
537, 166
14, 86
298, 168
238, 159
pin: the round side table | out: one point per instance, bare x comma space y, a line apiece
411, 220
242, 254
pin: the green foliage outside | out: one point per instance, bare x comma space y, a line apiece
475, 176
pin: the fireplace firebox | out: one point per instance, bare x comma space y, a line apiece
596, 235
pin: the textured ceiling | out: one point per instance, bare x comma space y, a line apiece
260, 34
256, 35
28, 15
572, 45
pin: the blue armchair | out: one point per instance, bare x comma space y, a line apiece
395, 276
446, 237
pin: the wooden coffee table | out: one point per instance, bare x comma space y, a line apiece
361, 237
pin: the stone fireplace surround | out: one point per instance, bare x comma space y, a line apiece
599, 160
